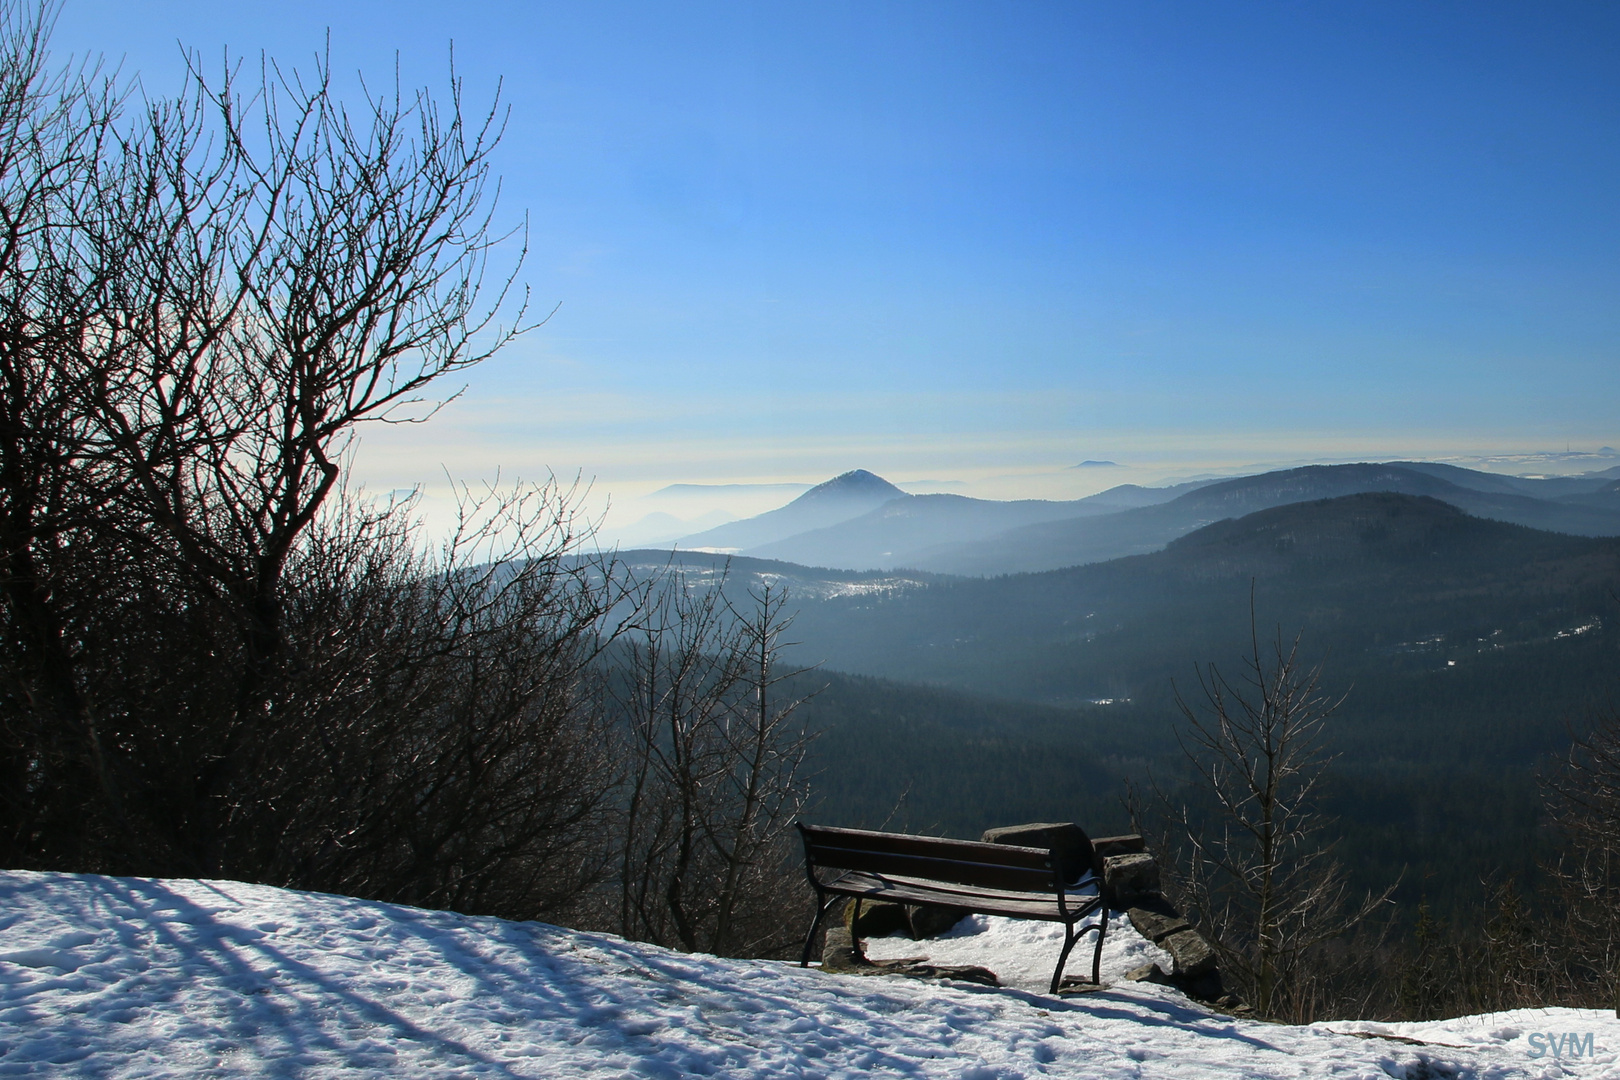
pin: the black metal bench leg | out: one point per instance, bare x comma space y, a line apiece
1069, 939
815, 924
1096, 957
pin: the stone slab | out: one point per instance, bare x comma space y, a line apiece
1128, 844
1131, 877
1191, 953
1156, 925
932, 920
1069, 840
879, 918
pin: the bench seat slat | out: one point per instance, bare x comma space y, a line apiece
981, 875
826, 839
1018, 905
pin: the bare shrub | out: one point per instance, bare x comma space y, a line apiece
1252, 868
443, 739
714, 774
211, 662
1583, 803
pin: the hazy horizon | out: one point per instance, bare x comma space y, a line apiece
632, 520
974, 245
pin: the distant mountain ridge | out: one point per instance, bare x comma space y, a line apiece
883, 537
860, 522
1075, 542
843, 497
1366, 571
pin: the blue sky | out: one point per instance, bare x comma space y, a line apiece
984, 241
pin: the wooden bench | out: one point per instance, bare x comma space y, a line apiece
988, 879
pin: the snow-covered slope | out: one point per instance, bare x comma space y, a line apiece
123, 977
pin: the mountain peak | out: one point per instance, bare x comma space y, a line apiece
845, 496
858, 483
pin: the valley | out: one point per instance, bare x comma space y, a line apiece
1465, 650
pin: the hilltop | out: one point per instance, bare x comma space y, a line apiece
843, 497
136, 977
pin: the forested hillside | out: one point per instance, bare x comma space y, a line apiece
1464, 647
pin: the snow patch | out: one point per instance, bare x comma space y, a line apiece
1022, 952
218, 978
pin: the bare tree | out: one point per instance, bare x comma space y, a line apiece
278, 273
445, 741
713, 772
678, 671
212, 660
208, 667
764, 789
1583, 801
54, 132
1255, 872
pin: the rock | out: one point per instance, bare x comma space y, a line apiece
1209, 989
1129, 844
1073, 847
1191, 953
1131, 877
1156, 920
921, 969
932, 920
1205, 986
878, 919
1151, 973
839, 954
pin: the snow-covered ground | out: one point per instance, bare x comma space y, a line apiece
125, 977
1022, 952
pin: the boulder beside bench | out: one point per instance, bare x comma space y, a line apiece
1132, 875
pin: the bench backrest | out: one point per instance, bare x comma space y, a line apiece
962, 862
